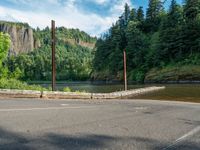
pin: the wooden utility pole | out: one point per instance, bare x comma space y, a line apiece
53, 45
125, 76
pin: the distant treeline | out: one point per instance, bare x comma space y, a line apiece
156, 40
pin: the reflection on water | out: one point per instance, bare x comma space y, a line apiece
92, 87
179, 92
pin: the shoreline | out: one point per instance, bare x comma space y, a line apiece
99, 82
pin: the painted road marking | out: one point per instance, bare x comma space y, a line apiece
47, 108
140, 108
182, 138
64, 104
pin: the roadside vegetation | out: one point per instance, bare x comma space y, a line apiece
67, 89
16, 84
9, 80
159, 44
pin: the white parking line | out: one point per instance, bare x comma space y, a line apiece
140, 108
64, 104
47, 108
182, 138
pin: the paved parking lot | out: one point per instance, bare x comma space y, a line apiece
81, 124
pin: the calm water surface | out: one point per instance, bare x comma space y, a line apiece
179, 92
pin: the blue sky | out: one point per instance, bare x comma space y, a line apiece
91, 16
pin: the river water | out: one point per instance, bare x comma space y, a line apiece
178, 92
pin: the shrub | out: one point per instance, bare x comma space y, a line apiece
16, 84
67, 89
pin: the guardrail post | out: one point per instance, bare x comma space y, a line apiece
53, 43
125, 75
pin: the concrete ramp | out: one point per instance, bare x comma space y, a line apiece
122, 94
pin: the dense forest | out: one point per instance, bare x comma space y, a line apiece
161, 45
74, 55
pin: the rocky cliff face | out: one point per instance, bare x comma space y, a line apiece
22, 39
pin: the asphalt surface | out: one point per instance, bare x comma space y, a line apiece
75, 124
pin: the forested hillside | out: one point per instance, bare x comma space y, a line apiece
161, 45
74, 54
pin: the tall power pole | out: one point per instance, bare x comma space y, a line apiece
125, 76
53, 45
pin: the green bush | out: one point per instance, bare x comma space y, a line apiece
16, 84
67, 89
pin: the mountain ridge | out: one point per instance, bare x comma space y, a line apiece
25, 39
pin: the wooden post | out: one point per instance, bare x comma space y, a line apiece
125, 76
53, 43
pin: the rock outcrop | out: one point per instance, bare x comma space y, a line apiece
22, 39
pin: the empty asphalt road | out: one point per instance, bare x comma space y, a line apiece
75, 124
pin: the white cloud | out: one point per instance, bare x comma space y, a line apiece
119, 6
67, 15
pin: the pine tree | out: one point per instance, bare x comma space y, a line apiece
153, 15
125, 17
192, 27
126, 14
133, 15
175, 15
155, 6
192, 8
171, 34
140, 14
135, 46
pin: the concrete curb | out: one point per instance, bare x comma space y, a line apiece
65, 95
19, 93
73, 95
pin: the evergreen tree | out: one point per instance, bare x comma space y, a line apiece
155, 6
136, 45
175, 14
118, 43
191, 28
192, 8
152, 17
140, 14
171, 34
126, 14
133, 15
